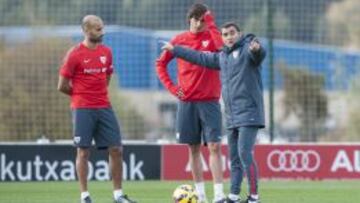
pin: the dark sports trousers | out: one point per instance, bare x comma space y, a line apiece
241, 143
98, 124
198, 122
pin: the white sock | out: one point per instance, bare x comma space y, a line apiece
117, 193
218, 191
85, 194
233, 197
200, 189
255, 196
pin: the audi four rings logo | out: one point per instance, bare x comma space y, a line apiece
293, 161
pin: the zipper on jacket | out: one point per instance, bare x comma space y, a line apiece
228, 88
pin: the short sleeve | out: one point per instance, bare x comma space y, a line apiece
67, 68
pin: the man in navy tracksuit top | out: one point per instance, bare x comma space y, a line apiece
239, 63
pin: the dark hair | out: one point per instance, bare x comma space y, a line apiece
196, 11
231, 24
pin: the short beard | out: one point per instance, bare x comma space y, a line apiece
96, 40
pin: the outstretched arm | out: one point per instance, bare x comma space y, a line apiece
208, 59
256, 51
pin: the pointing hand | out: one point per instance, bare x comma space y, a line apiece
254, 45
166, 45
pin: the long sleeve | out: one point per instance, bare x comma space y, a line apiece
162, 72
258, 56
214, 31
208, 59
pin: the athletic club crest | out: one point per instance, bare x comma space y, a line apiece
235, 54
77, 139
103, 59
205, 43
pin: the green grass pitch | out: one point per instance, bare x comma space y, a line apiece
160, 191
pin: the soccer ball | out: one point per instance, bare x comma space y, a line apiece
185, 194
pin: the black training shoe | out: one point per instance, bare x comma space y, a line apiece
124, 199
86, 200
252, 200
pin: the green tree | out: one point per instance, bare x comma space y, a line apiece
342, 20
353, 97
30, 105
133, 125
257, 24
305, 97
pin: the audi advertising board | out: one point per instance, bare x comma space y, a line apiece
57, 162
276, 161
309, 161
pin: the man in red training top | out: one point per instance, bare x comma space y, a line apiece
84, 76
198, 91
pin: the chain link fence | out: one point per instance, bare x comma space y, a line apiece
313, 50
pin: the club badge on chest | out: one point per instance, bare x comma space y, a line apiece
103, 59
235, 54
205, 43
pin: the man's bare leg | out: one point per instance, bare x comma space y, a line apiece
216, 169
197, 171
82, 158
116, 158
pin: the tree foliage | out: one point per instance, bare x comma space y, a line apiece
305, 97
353, 98
258, 21
303, 16
342, 20
30, 105
132, 124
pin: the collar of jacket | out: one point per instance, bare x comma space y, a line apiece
243, 39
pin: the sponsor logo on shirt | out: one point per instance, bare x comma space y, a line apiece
95, 70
